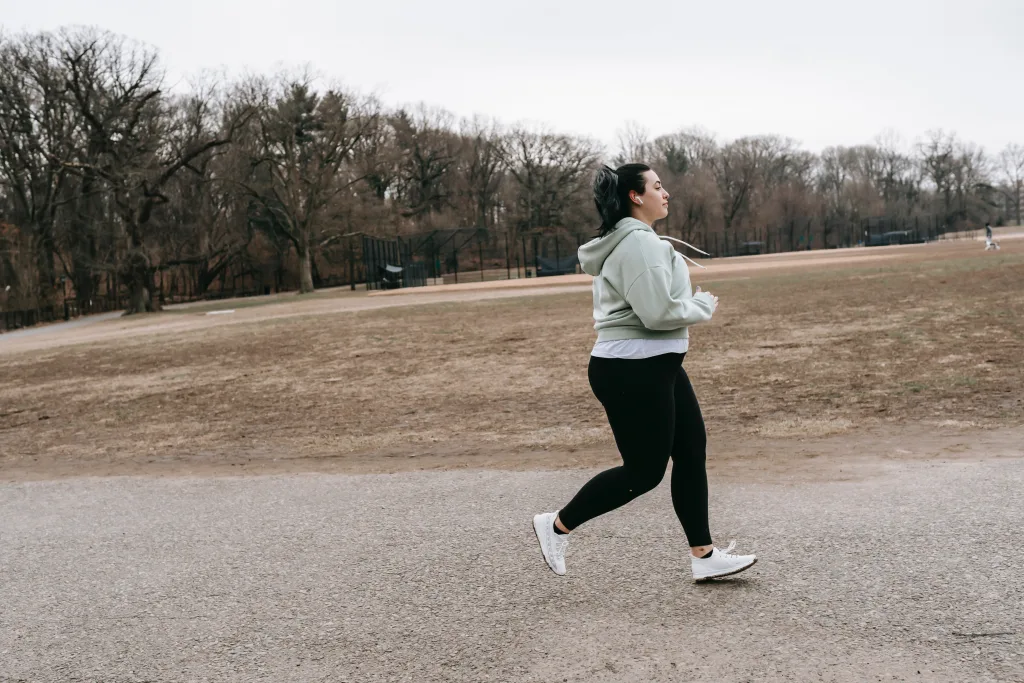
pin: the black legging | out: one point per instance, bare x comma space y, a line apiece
654, 415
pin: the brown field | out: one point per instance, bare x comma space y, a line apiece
815, 362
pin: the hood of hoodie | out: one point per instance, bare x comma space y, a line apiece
594, 253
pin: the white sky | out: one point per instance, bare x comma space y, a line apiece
822, 72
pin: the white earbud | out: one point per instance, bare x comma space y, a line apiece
639, 202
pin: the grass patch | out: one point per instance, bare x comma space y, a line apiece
789, 354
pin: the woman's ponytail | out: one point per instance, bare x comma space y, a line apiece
611, 193
606, 199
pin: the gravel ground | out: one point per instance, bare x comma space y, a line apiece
914, 574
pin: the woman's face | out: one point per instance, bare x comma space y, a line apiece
654, 200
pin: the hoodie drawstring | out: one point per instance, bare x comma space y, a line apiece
666, 237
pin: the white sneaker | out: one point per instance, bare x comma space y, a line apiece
721, 563
551, 544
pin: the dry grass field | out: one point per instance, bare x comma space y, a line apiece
813, 360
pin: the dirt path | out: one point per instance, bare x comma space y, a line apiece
176, 322
186, 318
58, 329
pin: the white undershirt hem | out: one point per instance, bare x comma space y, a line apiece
635, 349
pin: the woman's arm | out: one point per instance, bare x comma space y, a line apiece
651, 299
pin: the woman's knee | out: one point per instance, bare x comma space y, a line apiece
642, 480
691, 450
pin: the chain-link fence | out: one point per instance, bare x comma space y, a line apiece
462, 255
470, 255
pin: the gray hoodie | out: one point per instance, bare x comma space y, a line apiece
641, 286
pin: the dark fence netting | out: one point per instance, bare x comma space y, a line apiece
448, 256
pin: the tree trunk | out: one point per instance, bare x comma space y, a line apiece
85, 287
305, 267
317, 279
1018, 190
84, 255
141, 284
207, 275
139, 300
86, 282
46, 273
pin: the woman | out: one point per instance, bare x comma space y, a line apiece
643, 305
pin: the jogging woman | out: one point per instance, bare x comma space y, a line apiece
643, 305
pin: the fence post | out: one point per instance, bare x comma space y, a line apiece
379, 259
536, 259
455, 260
558, 260
370, 261
434, 265
351, 264
508, 264
480, 251
522, 240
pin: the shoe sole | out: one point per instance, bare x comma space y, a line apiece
722, 576
540, 541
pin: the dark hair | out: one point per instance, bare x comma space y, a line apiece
611, 193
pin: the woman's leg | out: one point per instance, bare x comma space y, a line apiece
638, 396
689, 474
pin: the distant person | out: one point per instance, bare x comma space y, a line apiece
990, 243
643, 305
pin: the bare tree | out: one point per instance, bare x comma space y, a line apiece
634, 145
300, 147
686, 150
483, 170
551, 173
140, 140
429, 150
377, 158
696, 204
38, 131
938, 157
204, 226
105, 173
749, 169
889, 166
971, 184
684, 161
1011, 166
12, 294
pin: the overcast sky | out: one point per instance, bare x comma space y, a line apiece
825, 73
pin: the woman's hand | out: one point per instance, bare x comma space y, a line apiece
709, 295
